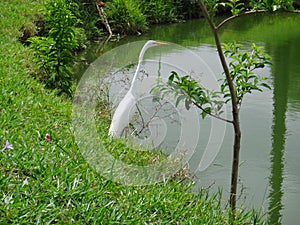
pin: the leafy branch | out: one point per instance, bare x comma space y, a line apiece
191, 92
241, 68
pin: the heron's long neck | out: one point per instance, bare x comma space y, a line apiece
138, 66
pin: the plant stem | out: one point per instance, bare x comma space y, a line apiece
239, 15
235, 109
212, 115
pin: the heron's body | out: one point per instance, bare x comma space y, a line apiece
121, 116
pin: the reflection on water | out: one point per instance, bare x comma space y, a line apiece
280, 86
286, 82
270, 120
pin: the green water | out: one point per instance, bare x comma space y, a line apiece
270, 168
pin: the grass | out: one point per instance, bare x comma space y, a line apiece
49, 182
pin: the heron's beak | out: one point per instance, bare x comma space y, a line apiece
161, 43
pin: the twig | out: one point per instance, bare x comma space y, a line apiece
239, 15
104, 19
247, 13
140, 113
151, 118
212, 115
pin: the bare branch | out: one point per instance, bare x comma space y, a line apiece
209, 113
239, 15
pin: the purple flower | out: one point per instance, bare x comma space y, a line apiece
7, 146
48, 137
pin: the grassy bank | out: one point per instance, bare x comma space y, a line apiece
49, 182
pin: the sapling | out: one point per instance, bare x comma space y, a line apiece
239, 67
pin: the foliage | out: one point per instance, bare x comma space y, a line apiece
54, 54
236, 6
242, 66
87, 12
187, 90
239, 6
212, 6
272, 5
159, 11
187, 9
132, 16
125, 16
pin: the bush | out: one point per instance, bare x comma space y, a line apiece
87, 12
187, 9
159, 11
125, 16
54, 54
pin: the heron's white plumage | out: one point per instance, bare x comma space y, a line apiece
121, 116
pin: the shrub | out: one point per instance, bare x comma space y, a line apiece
87, 12
159, 11
54, 54
125, 16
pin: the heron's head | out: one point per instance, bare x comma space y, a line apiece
151, 43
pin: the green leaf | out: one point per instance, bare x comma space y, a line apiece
266, 86
203, 114
227, 95
171, 77
245, 56
187, 104
179, 99
259, 65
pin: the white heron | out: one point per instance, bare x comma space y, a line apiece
121, 116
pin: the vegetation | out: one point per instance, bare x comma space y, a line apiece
159, 11
45, 180
134, 17
125, 16
86, 12
239, 76
54, 54
63, 25
143, 13
56, 33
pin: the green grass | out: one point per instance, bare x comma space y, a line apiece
49, 182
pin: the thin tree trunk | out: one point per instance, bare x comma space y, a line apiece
235, 110
235, 162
